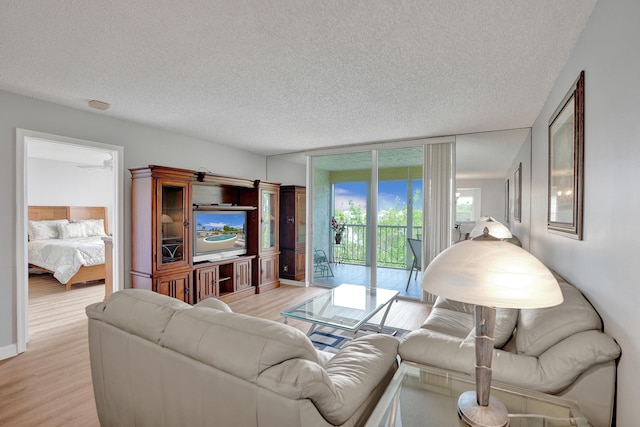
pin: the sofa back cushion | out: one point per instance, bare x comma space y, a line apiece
235, 343
506, 319
138, 312
456, 318
539, 329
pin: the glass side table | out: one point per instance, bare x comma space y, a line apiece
425, 396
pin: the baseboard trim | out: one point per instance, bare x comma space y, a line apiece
8, 351
292, 282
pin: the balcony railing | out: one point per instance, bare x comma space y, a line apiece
392, 248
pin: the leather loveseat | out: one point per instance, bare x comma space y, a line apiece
156, 361
558, 350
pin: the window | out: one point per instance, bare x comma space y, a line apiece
467, 204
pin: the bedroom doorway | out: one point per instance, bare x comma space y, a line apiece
59, 171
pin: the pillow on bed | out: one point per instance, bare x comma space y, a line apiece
92, 227
72, 230
44, 230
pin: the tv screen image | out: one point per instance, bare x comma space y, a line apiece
218, 235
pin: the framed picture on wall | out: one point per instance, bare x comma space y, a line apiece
566, 164
517, 193
507, 206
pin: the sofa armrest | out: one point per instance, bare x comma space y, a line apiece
95, 310
559, 366
340, 388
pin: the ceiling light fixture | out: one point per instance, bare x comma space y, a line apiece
99, 105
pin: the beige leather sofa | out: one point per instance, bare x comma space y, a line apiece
558, 350
156, 361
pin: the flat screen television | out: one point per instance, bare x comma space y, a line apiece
218, 234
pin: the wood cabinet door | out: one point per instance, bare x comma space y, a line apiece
175, 285
268, 270
242, 272
300, 264
207, 283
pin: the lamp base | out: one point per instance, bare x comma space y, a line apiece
493, 415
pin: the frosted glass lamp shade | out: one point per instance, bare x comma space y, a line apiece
166, 219
492, 274
496, 229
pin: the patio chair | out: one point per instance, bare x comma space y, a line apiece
416, 249
321, 264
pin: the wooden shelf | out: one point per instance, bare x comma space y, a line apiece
224, 208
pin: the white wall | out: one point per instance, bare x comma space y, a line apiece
143, 145
605, 264
56, 183
491, 195
286, 172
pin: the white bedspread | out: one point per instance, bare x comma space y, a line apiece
64, 257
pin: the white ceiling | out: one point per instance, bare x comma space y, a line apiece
288, 75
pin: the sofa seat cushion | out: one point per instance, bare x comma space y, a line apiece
344, 384
458, 319
449, 322
539, 329
434, 348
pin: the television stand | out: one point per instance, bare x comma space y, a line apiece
228, 279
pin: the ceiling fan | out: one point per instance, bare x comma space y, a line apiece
106, 165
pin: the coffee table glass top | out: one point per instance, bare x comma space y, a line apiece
346, 307
425, 396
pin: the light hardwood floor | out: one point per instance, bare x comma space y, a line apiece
50, 384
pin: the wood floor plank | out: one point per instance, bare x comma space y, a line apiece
50, 384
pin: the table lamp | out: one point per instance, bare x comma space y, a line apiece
489, 274
166, 219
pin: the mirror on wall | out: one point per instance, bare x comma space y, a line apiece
493, 172
486, 164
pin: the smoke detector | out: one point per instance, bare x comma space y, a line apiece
99, 105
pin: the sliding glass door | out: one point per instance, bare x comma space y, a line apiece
341, 221
366, 205
399, 216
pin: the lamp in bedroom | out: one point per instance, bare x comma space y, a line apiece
489, 274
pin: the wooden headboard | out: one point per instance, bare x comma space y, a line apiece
40, 213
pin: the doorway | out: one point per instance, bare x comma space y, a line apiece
77, 154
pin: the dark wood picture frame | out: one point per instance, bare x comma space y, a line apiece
517, 193
507, 202
566, 164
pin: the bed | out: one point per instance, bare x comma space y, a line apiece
67, 241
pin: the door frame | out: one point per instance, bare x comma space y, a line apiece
116, 229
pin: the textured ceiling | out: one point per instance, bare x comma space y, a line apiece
283, 76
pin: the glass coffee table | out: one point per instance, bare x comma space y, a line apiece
347, 307
425, 396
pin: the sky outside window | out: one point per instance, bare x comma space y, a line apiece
390, 193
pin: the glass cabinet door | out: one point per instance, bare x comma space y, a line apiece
269, 221
173, 224
301, 206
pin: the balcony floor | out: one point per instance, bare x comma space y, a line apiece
388, 278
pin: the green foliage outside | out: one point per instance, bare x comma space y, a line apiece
392, 232
464, 212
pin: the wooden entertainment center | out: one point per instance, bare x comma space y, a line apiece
163, 201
